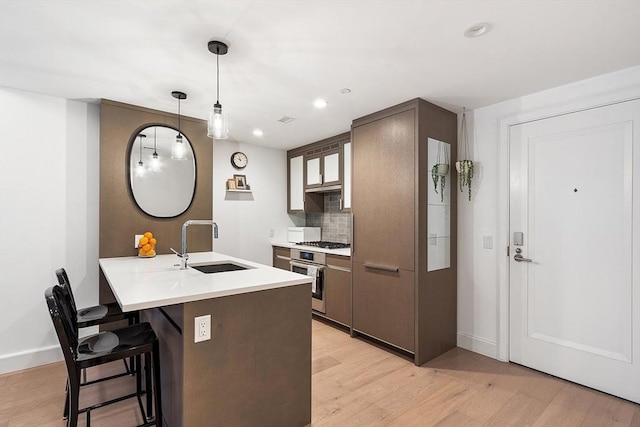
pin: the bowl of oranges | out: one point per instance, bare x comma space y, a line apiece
147, 245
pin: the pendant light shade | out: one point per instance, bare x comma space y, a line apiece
140, 167
178, 150
217, 124
155, 160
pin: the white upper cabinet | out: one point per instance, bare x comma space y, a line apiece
346, 176
314, 176
331, 168
296, 183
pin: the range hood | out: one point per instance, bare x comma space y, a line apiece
325, 189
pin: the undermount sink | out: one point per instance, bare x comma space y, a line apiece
218, 267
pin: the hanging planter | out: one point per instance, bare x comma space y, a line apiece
440, 170
464, 166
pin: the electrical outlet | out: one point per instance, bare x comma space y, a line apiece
272, 232
202, 328
138, 237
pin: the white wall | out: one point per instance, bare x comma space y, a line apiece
482, 281
49, 174
49, 212
245, 220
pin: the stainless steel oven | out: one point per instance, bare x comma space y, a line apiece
311, 264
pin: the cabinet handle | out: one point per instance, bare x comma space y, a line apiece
339, 268
353, 233
382, 267
340, 203
320, 179
283, 257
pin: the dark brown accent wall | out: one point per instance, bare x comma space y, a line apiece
120, 218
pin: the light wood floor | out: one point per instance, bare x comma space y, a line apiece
357, 384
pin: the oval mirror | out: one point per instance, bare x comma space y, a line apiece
162, 171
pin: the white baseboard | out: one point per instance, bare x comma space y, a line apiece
29, 359
478, 345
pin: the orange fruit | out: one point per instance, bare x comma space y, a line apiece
146, 247
148, 234
141, 252
151, 252
143, 241
153, 241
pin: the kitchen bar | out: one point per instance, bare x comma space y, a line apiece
255, 369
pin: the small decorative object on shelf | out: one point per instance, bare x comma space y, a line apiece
238, 183
241, 182
464, 166
147, 245
440, 170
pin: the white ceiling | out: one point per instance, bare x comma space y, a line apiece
285, 54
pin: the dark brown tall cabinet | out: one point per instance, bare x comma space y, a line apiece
395, 299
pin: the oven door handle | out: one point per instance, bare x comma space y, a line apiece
302, 265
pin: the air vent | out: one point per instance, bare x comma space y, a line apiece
286, 119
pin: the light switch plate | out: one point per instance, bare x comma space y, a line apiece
138, 237
487, 242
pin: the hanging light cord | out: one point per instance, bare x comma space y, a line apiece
140, 158
218, 75
179, 131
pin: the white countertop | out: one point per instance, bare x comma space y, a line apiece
140, 283
341, 252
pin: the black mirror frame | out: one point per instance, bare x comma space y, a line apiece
128, 171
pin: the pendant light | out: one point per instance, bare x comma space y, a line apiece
217, 125
155, 161
140, 167
178, 151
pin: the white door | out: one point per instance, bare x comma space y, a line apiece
575, 295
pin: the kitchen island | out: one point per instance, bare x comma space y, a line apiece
255, 370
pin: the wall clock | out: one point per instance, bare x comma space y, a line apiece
239, 160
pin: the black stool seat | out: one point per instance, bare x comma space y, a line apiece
111, 345
132, 341
101, 314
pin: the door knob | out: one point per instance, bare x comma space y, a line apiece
520, 258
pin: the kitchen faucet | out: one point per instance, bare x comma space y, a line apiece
183, 255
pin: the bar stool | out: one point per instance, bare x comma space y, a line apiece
97, 315
132, 341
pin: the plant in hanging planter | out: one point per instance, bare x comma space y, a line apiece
440, 170
437, 175
464, 166
465, 174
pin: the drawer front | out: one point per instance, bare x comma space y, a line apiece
281, 257
342, 262
383, 305
282, 252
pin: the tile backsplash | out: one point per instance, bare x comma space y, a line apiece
336, 225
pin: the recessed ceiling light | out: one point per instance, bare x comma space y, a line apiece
258, 132
477, 30
345, 90
320, 103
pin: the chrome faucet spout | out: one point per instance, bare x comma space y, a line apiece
183, 254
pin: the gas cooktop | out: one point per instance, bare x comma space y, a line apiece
325, 245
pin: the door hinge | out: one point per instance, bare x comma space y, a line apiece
508, 249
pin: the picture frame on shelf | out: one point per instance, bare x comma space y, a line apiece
241, 181
232, 184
